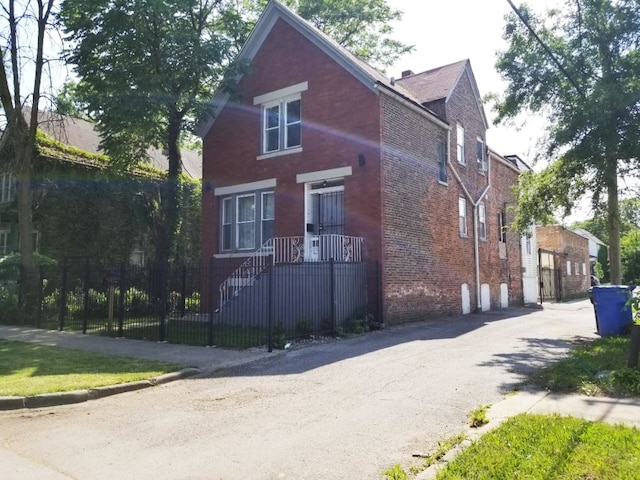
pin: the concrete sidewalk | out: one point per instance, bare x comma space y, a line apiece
194, 360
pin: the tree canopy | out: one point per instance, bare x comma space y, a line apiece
586, 83
361, 26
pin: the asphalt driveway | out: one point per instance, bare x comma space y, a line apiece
343, 410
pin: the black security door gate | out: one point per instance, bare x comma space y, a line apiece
331, 213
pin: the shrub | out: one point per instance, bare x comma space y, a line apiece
9, 308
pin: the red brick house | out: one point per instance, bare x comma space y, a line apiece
320, 155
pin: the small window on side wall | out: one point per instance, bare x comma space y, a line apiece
442, 162
482, 221
481, 157
460, 144
462, 216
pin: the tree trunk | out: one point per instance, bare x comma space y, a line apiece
613, 221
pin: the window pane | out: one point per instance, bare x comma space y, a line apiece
267, 206
226, 237
273, 140
293, 111
480, 150
226, 211
267, 230
273, 116
246, 235
246, 209
442, 162
293, 135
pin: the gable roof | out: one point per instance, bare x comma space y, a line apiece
439, 83
365, 73
82, 134
588, 235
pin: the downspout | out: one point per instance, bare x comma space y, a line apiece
476, 245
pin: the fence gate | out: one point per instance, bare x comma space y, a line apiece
550, 276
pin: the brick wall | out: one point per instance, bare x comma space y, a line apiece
425, 260
570, 247
340, 122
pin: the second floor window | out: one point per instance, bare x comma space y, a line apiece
482, 161
281, 125
460, 144
442, 162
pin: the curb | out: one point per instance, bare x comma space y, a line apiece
79, 396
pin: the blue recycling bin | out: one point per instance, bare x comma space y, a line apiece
612, 312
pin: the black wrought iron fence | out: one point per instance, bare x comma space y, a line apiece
285, 303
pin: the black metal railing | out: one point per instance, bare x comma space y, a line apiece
285, 303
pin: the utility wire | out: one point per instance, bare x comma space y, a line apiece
546, 49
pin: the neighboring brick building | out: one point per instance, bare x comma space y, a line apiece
567, 254
315, 143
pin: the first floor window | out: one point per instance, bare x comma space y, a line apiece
462, 216
568, 267
246, 222
482, 221
502, 228
227, 221
268, 216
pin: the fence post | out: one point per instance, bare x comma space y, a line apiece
183, 293
332, 295
378, 281
211, 301
63, 295
85, 292
123, 290
271, 311
163, 275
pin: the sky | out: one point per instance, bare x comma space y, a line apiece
446, 31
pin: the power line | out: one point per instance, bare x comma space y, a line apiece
546, 48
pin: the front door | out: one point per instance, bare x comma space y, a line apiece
325, 216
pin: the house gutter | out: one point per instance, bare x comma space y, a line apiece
474, 203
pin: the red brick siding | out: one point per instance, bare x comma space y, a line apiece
425, 260
571, 247
340, 121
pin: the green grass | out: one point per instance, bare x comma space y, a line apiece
597, 368
550, 447
31, 369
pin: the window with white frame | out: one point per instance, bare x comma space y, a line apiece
7, 187
482, 221
281, 120
462, 216
528, 243
4, 241
481, 157
460, 144
246, 220
584, 269
442, 163
268, 216
568, 267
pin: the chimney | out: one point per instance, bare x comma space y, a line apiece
407, 73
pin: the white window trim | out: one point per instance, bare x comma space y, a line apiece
262, 218
279, 153
223, 223
333, 173
4, 241
568, 267
7, 187
245, 187
460, 146
281, 93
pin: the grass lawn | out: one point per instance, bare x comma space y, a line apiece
548, 447
30, 369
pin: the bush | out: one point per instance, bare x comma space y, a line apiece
9, 308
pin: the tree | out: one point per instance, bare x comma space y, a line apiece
148, 69
361, 26
21, 20
631, 257
586, 84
